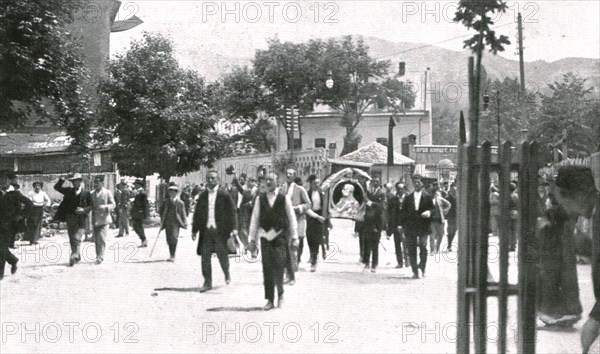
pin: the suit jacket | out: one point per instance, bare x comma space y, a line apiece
235, 192
71, 202
180, 212
379, 196
412, 221
14, 209
225, 216
103, 203
372, 222
140, 207
122, 198
394, 212
453, 207
300, 202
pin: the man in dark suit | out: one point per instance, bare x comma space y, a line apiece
172, 217
242, 196
416, 220
215, 218
314, 221
378, 194
395, 224
74, 210
11, 213
140, 209
370, 229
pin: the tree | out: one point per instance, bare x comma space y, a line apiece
41, 70
156, 113
474, 14
509, 109
571, 106
240, 99
295, 75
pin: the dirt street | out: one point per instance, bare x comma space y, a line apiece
134, 303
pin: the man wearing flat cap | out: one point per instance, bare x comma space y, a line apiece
172, 218
140, 209
103, 203
73, 210
576, 192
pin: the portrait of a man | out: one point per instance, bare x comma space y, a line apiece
346, 201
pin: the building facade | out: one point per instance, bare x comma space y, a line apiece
323, 130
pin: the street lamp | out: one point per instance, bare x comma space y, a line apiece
329, 81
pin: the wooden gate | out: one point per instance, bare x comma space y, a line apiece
474, 287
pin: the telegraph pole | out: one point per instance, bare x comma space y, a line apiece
523, 102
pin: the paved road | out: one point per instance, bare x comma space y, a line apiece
132, 303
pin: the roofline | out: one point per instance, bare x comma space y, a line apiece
349, 163
63, 152
365, 114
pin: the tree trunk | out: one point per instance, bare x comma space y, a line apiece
351, 141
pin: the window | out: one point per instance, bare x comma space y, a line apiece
320, 143
297, 144
382, 141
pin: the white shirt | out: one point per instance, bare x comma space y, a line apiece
290, 189
316, 200
239, 200
39, 199
212, 198
417, 196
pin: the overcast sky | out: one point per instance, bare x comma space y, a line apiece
553, 29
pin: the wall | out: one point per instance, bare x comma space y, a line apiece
373, 126
49, 180
307, 162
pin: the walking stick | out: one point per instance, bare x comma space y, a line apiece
155, 241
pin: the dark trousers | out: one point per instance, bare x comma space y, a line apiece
300, 249
6, 256
401, 257
211, 243
451, 230
412, 241
75, 230
7, 233
273, 262
138, 227
34, 229
289, 263
371, 247
172, 232
314, 237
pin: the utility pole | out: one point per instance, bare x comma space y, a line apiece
523, 100
498, 115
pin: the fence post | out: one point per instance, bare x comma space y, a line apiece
505, 160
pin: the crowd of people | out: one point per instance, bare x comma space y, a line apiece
275, 218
